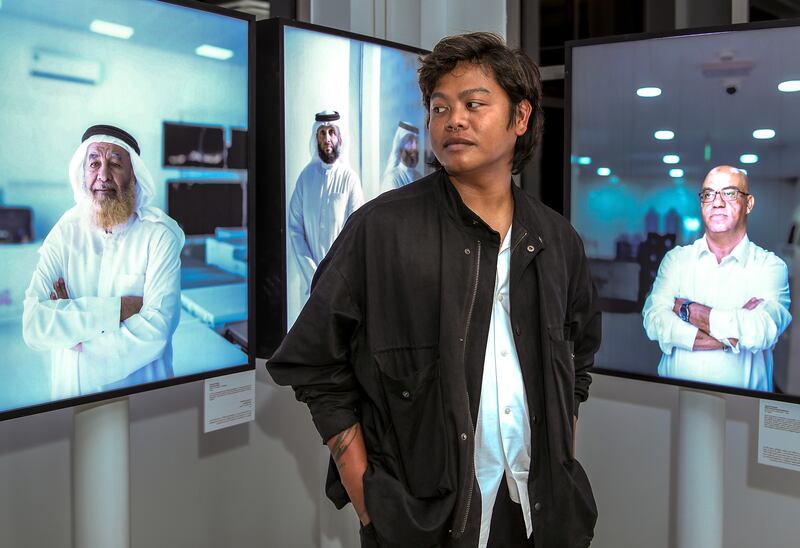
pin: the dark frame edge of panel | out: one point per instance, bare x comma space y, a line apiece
267, 246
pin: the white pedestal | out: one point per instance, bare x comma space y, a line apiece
701, 465
101, 476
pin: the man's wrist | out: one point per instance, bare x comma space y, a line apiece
684, 312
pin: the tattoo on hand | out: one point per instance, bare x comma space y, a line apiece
342, 442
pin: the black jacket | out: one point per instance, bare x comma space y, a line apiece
394, 335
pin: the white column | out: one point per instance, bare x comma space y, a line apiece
701, 466
101, 476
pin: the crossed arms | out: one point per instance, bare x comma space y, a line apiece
118, 334
754, 326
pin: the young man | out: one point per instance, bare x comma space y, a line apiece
445, 347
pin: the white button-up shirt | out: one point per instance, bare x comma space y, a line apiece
692, 272
90, 348
503, 433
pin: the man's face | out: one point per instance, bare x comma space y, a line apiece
468, 119
328, 143
107, 171
720, 216
409, 154
108, 180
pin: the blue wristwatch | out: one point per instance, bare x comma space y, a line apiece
683, 311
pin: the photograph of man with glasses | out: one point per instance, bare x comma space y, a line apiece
719, 305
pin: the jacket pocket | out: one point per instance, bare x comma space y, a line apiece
584, 507
562, 357
413, 393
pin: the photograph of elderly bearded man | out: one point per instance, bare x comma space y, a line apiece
104, 298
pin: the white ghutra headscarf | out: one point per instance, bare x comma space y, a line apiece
145, 186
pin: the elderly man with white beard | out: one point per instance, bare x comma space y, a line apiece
105, 296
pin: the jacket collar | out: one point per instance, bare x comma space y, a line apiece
525, 226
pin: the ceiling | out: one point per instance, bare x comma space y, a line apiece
156, 24
615, 127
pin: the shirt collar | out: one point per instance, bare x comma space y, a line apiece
507, 240
739, 253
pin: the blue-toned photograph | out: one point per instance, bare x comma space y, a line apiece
123, 257
355, 127
684, 188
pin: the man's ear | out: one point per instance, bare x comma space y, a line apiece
521, 117
751, 201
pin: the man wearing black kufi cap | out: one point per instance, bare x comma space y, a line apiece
326, 193
105, 296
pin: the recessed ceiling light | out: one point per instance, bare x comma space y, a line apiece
765, 133
584, 160
789, 86
648, 92
664, 134
114, 30
691, 224
214, 52
671, 159
603, 171
748, 158
676, 172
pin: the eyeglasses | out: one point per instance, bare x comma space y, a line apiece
728, 194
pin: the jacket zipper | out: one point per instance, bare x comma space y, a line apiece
513, 247
471, 486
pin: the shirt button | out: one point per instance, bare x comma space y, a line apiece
467, 251
406, 394
500, 298
463, 436
504, 352
537, 507
531, 249
507, 410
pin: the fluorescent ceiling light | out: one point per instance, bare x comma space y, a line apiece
671, 159
603, 171
765, 133
111, 29
214, 52
584, 160
648, 92
664, 135
789, 86
676, 172
748, 158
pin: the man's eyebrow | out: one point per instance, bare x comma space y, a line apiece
472, 91
461, 94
